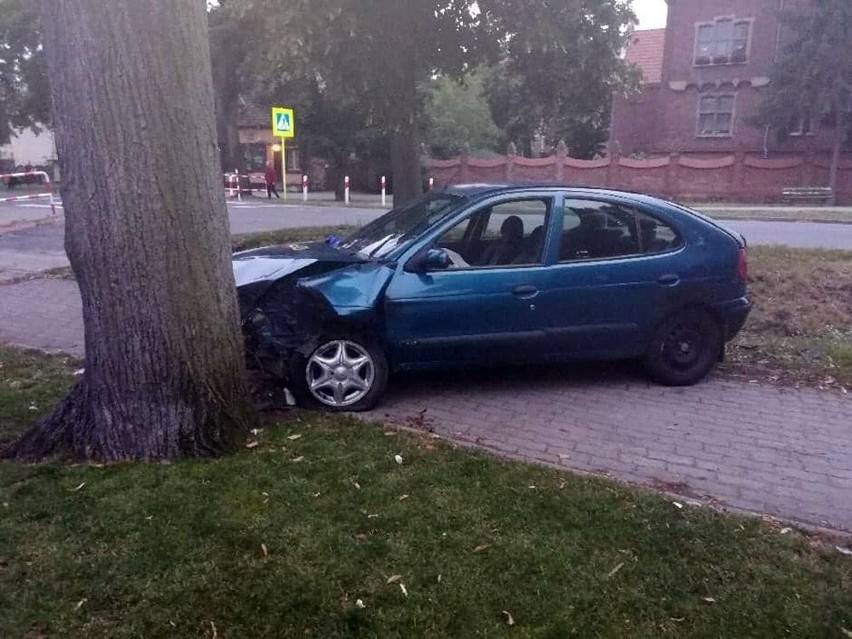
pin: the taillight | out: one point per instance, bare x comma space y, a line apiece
742, 265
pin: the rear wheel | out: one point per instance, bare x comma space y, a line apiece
347, 372
684, 348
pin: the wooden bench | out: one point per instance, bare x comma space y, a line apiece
808, 195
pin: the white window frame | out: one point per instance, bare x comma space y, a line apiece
804, 127
699, 113
715, 22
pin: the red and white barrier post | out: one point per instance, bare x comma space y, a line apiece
304, 188
431, 183
384, 190
46, 182
346, 190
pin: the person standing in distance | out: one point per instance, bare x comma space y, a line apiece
271, 178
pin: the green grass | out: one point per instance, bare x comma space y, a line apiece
172, 550
782, 214
284, 236
800, 329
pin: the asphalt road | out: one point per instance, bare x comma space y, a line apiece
251, 217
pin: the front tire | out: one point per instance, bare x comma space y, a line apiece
684, 348
346, 372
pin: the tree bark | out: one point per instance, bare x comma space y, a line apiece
146, 234
405, 164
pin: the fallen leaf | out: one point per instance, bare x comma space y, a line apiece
315, 495
294, 437
79, 372
80, 487
256, 431
404, 591
390, 433
677, 504
372, 515
297, 459
844, 551
678, 619
784, 531
394, 578
615, 570
397, 459
253, 444
709, 600
359, 604
265, 497
149, 517
439, 578
357, 485
265, 550
481, 548
510, 620
531, 487
80, 604
403, 497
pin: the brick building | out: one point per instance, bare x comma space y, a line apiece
704, 76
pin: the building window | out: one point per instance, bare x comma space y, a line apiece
802, 126
723, 41
715, 115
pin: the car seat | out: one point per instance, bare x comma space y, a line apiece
507, 248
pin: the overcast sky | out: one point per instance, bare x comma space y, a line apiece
651, 13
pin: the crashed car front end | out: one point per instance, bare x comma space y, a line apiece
280, 316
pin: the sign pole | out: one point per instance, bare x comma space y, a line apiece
284, 167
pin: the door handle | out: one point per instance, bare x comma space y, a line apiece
669, 279
525, 290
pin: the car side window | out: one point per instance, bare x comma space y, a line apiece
510, 233
595, 230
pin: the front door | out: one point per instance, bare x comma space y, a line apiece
483, 308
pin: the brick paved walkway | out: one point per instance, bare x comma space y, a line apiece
783, 452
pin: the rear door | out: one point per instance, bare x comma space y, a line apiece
616, 272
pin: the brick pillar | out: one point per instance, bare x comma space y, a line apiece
671, 183
464, 168
738, 185
559, 162
511, 154
612, 173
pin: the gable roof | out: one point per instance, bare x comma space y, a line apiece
645, 50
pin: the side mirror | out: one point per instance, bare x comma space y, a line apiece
430, 260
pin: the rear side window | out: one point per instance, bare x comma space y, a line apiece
595, 230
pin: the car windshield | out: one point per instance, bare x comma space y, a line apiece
391, 231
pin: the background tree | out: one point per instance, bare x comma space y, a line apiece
812, 79
146, 233
560, 65
457, 114
24, 90
375, 55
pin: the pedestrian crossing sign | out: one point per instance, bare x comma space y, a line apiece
283, 122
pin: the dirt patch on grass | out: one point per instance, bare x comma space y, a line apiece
800, 330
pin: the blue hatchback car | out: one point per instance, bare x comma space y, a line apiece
482, 274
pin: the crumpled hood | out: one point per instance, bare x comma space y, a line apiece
270, 263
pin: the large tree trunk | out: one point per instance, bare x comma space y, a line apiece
147, 236
405, 164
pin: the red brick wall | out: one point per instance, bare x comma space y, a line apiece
732, 178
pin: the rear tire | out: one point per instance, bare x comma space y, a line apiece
684, 348
348, 371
